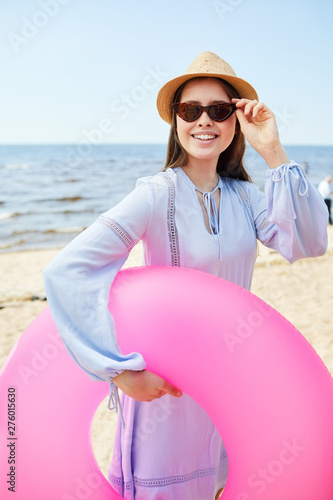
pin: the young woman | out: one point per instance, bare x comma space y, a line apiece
201, 212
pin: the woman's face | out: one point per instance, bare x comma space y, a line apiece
205, 139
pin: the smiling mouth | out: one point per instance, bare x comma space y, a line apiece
205, 137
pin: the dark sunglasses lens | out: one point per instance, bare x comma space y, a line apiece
189, 112
220, 112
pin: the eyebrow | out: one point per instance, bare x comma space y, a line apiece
215, 101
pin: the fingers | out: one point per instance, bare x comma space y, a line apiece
250, 108
145, 385
163, 387
157, 393
172, 390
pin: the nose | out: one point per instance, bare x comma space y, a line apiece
204, 120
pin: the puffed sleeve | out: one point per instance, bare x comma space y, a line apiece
292, 216
79, 279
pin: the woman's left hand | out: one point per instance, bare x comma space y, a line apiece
258, 124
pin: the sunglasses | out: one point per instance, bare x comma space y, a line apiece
191, 112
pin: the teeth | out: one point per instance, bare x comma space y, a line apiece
204, 137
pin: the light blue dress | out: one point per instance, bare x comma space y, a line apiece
169, 448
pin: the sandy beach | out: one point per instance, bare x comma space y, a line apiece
302, 292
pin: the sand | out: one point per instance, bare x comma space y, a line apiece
302, 292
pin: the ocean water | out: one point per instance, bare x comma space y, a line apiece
50, 193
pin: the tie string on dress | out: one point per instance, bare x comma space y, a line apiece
115, 403
213, 217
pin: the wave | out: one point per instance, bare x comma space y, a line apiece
12, 215
6, 246
24, 231
15, 166
70, 198
59, 230
87, 211
64, 199
8, 215
75, 229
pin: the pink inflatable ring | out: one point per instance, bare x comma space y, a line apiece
261, 382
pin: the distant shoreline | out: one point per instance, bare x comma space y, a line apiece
137, 144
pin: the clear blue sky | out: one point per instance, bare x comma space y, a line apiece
70, 67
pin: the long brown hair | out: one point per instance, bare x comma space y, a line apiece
230, 162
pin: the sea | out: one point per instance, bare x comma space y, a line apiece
50, 193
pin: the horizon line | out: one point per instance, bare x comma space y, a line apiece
130, 144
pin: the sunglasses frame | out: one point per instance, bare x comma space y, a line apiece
232, 108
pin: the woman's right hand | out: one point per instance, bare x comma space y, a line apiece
144, 385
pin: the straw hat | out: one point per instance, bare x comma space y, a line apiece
207, 64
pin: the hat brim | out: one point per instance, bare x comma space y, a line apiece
167, 92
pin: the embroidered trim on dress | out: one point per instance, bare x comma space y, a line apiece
172, 228
118, 230
264, 225
245, 199
115, 479
165, 481
151, 483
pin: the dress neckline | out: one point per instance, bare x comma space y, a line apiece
214, 213
183, 175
